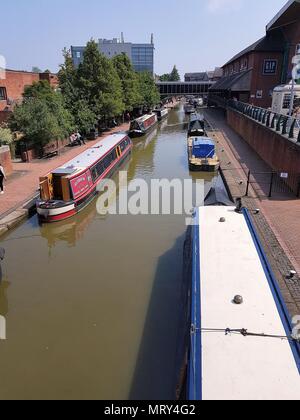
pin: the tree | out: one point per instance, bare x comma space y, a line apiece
148, 90
171, 77
129, 81
42, 117
174, 76
36, 70
6, 136
75, 101
99, 83
165, 77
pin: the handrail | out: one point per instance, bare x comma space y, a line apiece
283, 124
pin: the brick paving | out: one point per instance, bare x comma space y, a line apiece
278, 221
23, 184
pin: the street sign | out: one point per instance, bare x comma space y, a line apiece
284, 175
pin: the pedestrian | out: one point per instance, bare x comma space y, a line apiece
2, 178
72, 139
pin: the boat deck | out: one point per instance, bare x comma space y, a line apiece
228, 261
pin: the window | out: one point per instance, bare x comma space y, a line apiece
3, 95
287, 101
259, 94
244, 64
78, 54
123, 145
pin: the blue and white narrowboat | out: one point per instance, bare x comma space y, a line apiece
243, 345
202, 154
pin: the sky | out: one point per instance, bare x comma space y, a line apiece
194, 35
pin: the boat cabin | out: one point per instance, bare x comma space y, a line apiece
203, 148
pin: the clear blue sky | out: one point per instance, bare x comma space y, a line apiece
193, 34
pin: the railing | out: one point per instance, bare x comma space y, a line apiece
283, 124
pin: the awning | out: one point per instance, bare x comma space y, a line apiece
240, 82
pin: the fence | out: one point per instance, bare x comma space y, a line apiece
270, 184
283, 124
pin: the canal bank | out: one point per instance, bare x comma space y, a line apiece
93, 304
277, 221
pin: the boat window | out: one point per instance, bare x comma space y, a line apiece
114, 155
97, 171
107, 161
123, 145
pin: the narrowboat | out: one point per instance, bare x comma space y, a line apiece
68, 189
161, 113
141, 126
243, 345
202, 154
196, 127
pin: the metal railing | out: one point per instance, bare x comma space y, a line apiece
283, 124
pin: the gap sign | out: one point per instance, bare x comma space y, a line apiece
270, 66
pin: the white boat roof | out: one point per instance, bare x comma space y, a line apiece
93, 154
146, 117
234, 367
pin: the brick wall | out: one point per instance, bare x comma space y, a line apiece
16, 81
262, 82
280, 153
5, 159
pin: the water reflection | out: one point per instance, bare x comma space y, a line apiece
99, 318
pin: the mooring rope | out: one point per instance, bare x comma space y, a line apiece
246, 333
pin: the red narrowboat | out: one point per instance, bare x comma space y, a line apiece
141, 126
70, 188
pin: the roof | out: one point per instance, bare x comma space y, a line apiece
239, 82
200, 76
199, 141
273, 42
93, 154
146, 117
228, 261
286, 15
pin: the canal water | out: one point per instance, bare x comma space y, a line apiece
91, 304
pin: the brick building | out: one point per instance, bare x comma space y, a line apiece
13, 85
251, 75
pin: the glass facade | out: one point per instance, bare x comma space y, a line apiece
143, 57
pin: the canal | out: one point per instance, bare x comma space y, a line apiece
91, 304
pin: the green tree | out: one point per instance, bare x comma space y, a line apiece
6, 136
42, 117
165, 77
36, 70
74, 98
171, 77
148, 89
99, 83
174, 76
129, 81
